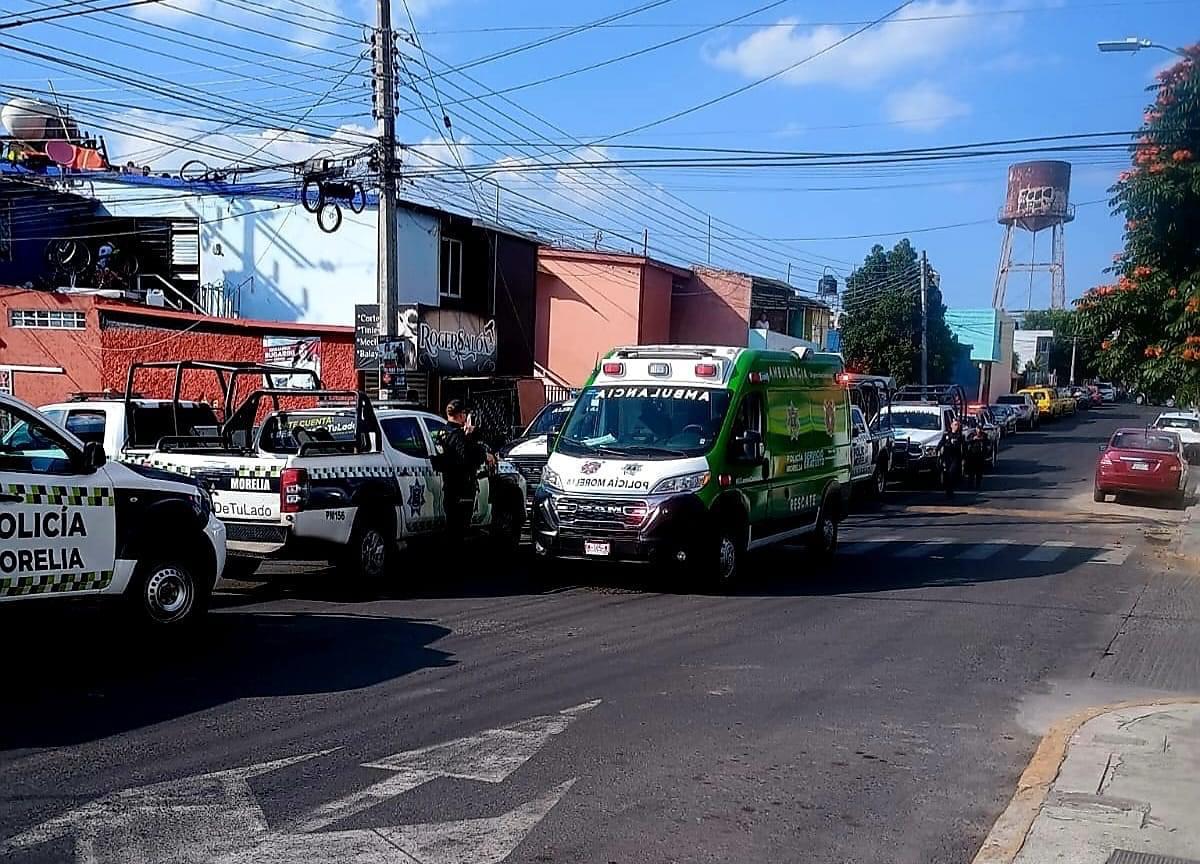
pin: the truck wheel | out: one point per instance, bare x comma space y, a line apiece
369, 551
727, 558
505, 530
879, 482
168, 592
824, 540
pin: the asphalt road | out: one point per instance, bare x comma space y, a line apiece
877, 711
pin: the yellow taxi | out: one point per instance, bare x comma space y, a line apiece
1066, 399
1048, 405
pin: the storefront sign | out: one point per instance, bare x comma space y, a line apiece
453, 342
366, 336
6, 382
298, 352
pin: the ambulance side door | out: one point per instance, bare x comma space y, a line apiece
57, 515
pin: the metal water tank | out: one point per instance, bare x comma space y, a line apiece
35, 120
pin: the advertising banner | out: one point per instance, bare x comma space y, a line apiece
451, 342
298, 352
366, 336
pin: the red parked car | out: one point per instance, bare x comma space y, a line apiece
1144, 462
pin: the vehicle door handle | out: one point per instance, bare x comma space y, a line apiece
10, 498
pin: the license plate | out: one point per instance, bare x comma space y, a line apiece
1140, 466
596, 547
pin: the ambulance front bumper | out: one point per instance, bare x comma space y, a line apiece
643, 530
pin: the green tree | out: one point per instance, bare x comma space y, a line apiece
1148, 322
881, 321
1066, 324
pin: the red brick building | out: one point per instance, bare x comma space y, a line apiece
57, 344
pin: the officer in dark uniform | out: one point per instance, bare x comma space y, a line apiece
977, 443
459, 462
951, 452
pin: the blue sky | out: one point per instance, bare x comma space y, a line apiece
954, 71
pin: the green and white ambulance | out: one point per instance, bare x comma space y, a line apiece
693, 455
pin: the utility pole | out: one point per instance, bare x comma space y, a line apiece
924, 320
1074, 341
387, 265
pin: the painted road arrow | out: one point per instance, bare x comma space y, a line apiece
214, 818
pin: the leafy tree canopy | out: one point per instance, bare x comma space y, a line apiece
881, 321
1147, 323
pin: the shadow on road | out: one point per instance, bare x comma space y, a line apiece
82, 676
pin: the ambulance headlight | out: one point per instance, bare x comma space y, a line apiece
682, 483
550, 478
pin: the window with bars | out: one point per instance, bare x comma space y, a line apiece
47, 319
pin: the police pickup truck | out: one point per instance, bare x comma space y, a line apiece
73, 524
328, 479
918, 417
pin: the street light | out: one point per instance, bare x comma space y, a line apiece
1132, 45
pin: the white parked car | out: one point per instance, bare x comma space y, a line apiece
74, 524
1186, 424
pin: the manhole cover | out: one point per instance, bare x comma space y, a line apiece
1124, 856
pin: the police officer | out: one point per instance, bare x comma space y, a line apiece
461, 457
951, 452
977, 443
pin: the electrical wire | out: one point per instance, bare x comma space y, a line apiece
41, 19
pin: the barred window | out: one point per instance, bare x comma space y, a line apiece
47, 319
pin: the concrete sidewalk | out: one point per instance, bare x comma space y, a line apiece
1129, 783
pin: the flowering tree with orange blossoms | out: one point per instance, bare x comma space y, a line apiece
1147, 323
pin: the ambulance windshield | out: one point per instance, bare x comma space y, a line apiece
646, 422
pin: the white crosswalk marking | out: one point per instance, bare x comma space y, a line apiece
1114, 553
983, 551
924, 547
1048, 551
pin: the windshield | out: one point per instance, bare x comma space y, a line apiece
1188, 423
916, 420
649, 422
550, 420
1145, 441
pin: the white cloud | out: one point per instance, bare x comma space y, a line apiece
924, 107
165, 145
896, 46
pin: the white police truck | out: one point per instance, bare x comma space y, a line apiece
73, 524
316, 474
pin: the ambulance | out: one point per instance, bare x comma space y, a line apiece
73, 524
692, 456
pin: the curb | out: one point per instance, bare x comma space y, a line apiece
1008, 834
1185, 546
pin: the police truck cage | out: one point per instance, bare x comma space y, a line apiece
952, 395
227, 373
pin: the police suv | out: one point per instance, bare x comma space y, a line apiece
73, 524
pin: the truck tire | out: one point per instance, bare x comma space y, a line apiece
168, 592
369, 552
879, 481
822, 543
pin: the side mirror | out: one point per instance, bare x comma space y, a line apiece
748, 447
93, 456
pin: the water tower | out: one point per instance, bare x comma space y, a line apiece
1038, 198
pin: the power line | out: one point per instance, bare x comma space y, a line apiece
75, 14
758, 81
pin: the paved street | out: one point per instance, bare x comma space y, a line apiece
878, 711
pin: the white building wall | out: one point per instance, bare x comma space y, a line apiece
272, 250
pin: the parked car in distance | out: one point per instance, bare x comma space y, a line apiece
1006, 418
1143, 462
1043, 397
1026, 409
1065, 399
1107, 392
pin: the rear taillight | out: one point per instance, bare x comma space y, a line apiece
1105, 461
1174, 465
293, 489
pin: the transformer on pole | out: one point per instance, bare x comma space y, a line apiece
1038, 198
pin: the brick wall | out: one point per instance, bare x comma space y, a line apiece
76, 352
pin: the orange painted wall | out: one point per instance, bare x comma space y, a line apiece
76, 351
583, 309
712, 309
